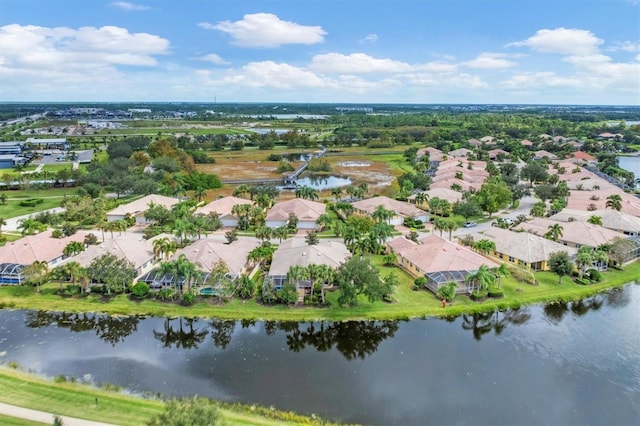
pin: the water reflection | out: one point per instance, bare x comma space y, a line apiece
185, 336
110, 329
482, 323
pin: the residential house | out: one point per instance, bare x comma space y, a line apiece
522, 248
434, 153
306, 211
40, 247
488, 140
474, 143
574, 234
596, 200
526, 142
439, 261
582, 158
138, 207
206, 253
223, 208
539, 155
460, 153
611, 219
296, 252
400, 209
494, 154
130, 246
443, 193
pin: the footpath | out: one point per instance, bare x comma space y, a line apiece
44, 417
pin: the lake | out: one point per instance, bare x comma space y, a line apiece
323, 182
631, 164
569, 364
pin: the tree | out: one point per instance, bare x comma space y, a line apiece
447, 292
584, 259
3, 222
312, 238
622, 251
115, 273
31, 226
356, 276
534, 172
467, 209
595, 220
614, 201
539, 209
324, 221
73, 248
194, 411
390, 259
483, 278
554, 232
292, 222
560, 264
231, 236
36, 273
501, 271
493, 196
484, 246
381, 214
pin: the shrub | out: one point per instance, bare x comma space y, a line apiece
57, 233
72, 290
419, 283
31, 202
140, 290
447, 292
496, 293
478, 295
166, 294
188, 299
582, 281
522, 275
246, 287
274, 157
593, 275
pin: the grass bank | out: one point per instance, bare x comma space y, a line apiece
76, 400
407, 304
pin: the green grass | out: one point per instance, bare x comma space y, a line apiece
407, 304
13, 421
76, 400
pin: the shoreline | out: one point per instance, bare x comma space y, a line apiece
424, 306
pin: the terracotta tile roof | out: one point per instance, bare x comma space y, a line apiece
207, 252
523, 246
296, 251
446, 184
41, 247
526, 142
543, 153
305, 210
445, 194
130, 246
222, 206
462, 152
580, 200
434, 153
435, 254
401, 208
581, 233
581, 155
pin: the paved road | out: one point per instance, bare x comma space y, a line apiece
44, 417
12, 223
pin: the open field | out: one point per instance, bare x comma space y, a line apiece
75, 400
407, 302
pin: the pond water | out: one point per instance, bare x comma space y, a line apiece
569, 364
631, 164
322, 182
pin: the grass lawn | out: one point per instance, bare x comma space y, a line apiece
407, 303
13, 421
75, 400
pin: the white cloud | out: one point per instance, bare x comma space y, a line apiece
626, 46
275, 75
561, 40
370, 38
267, 30
125, 5
361, 63
491, 61
539, 80
355, 63
213, 58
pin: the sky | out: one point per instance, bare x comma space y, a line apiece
313, 51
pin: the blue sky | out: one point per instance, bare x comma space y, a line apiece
373, 51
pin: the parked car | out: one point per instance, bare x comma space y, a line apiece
470, 224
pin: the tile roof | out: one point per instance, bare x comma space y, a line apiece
401, 208
611, 219
581, 233
142, 204
41, 247
222, 206
130, 246
435, 254
524, 246
304, 210
207, 252
295, 251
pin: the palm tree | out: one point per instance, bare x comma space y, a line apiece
614, 201
451, 226
483, 278
281, 233
554, 232
484, 246
324, 221
36, 273
200, 193
381, 214
595, 220
241, 191
336, 193
30, 226
263, 201
73, 248
501, 271
364, 187
421, 198
440, 225
3, 222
